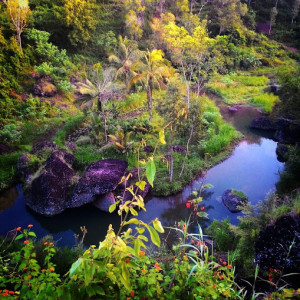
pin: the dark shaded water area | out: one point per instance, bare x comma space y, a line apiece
252, 168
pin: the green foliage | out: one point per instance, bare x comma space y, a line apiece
239, 194
10, 134
266, 101
70, 124
8, 169
223, 235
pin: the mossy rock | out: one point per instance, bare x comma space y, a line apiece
44, 87
234, 200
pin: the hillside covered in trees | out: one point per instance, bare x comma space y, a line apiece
124, 99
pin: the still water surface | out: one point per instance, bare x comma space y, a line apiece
252, 168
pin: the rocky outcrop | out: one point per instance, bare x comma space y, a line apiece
103, 202
232, 199
101, 177
44, 87
278, 245
262, 123
282, 152
288, 132
40, 148
49, 190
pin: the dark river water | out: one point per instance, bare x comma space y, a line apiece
252, 168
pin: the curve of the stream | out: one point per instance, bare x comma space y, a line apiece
252, 168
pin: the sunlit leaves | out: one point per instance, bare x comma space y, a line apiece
150, 171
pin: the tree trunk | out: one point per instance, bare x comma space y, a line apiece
19, 40
187, 149
171, 163
149, 97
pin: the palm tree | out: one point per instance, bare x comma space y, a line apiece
126, 56
151, 71
95, 92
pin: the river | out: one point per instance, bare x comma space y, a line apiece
252, 168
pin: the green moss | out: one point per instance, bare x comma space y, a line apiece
239, 194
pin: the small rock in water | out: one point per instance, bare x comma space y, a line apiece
233, 199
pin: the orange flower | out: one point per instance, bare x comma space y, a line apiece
29, 276
50, 244
229, 266
51, 269
11, 292
30, 225
221, 277
45, 244
214, 286
142, 252
26, 242
224, 263
127, 298
157, 266
43, 270
143, 271
131, 294
18, 228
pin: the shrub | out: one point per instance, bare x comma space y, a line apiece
10, 134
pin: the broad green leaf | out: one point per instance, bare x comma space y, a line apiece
113, 206
142, 237
75, 266
19, 236
162, 137
141, 185
154, 236
140, 230
125, 276
31, 233
150, 171
157, 225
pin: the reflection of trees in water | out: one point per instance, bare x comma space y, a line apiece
95, 221
8, 198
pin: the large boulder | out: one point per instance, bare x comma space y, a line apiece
24, 168
101, 177
288, 132
49, 190
233, 199
278, 245
44, 87
40, 148
103, 202
262, 123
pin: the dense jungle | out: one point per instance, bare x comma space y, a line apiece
149, 149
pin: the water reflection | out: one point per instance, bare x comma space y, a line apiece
252, 168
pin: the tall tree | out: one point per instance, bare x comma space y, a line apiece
100, 88
273, 15
81, 18
151, 70
295, 10
188, 49
18, 11
227, 13
125, 57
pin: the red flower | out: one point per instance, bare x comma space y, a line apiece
202, 207
26, 242
45, 244
29, 276
43, 270
50, 244
214, 286
221, 277
30, 225
188, 205
127, 260
11, 292
131, 294
229, 266
18, 228
224, 263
